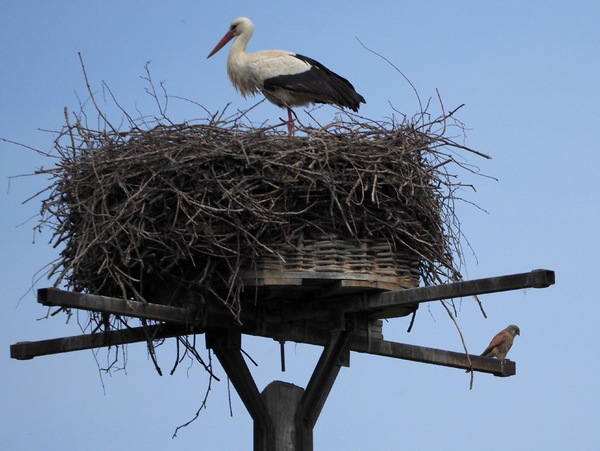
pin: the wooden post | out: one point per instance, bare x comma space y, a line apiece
282, 400
284, 415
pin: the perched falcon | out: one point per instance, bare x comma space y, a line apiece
501, 343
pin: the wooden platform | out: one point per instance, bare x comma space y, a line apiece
297, 284
296, 287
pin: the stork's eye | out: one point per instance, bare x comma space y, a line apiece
233, 27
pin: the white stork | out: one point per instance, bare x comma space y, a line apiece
285, 78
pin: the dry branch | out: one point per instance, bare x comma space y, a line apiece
173, 213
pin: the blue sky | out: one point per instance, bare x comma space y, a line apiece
529, 75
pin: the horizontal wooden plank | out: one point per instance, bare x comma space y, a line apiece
434, 356
250, 276
380, 302
26, 350
357, 343
116, 306
540, 278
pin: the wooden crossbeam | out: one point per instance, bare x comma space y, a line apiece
25, 350
501, 368
539, 278
28, 350
378, 303
54, 297
366, 302
186, 320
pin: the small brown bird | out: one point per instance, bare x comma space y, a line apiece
501, 343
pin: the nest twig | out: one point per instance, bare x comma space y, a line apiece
188, 206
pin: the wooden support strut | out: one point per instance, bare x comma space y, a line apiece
294, 431
226, 345
334, 356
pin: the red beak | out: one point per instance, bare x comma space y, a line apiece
228, 37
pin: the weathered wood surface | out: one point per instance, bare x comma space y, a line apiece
226, 344
289, 323
374, 303
25, 350
54, 297
320, 337
282, 400
334, 283
380, 303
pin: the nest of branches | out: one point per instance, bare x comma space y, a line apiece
150, 214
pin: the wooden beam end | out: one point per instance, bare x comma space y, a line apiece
18, 351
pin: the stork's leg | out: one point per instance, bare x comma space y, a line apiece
290, 122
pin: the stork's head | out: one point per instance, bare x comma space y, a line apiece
240, 26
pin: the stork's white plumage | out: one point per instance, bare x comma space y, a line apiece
284, 78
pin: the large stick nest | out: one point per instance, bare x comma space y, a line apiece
191, 205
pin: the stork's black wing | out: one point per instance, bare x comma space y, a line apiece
319, 84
